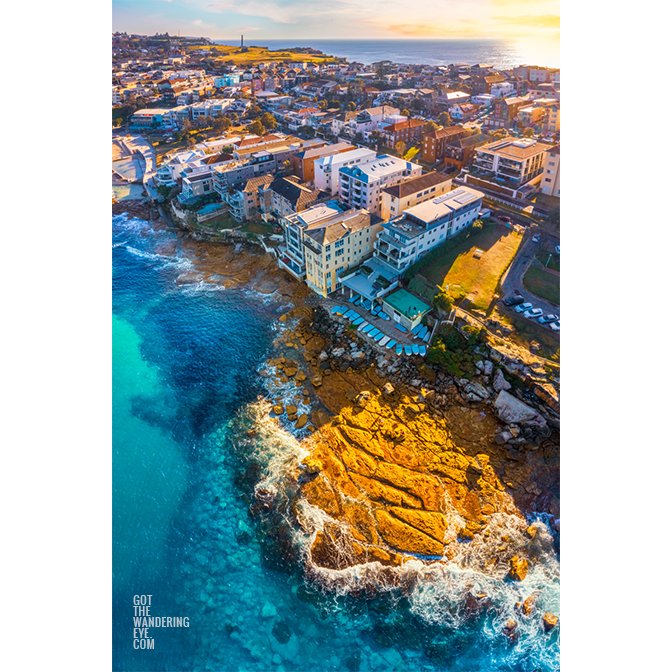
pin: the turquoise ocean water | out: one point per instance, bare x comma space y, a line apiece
185, 392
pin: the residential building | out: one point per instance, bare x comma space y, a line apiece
485, 83
292, 257
545, 90
530, 115
195, 185
512, 162
361, 186
244, 203
459, 152
501, 89
447, 100
285, 196
368, 120
463, 112
483, 99
422, 227
434, 143
480, 69
550, 183
303, 163
331, 248
504, 111
399, 197
326, 169
407, 131
552, 123
154, 118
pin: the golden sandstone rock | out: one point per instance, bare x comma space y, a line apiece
550, 621
518, 568
397, 485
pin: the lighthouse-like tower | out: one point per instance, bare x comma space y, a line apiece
241, 41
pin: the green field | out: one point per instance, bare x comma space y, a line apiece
260, 54
542, 283
476, 278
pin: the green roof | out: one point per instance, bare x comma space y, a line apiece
407, 304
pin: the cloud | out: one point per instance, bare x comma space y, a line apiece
267, 10
205, 26
531, 21
425, 30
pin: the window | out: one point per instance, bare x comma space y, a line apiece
340, 253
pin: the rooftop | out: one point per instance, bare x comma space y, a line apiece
377, 168
407, 304
416, 184
350, 222
517, 149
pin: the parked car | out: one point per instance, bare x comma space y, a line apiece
523, 307
504, 218
555, 325
533, 314
513, 300
536, 238
548, 318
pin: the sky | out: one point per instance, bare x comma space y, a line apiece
339, 19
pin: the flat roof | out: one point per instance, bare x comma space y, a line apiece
407, 304
378, 167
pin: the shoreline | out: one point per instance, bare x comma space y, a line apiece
340, 375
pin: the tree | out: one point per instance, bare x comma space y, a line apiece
322, 104
256, 127
352, 106
221, 123
528, 132
444, 119
431, 126
306, 132
255, 111
405, 113
334, 103
269, 121
234, 117
400, 147
443, 302
375, 137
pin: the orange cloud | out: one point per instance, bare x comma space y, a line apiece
530, 21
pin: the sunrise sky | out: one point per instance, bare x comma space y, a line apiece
340, 19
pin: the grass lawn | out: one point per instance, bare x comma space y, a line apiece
258, 54
542, 283
257, 227
224, 221
543, 254
476, 278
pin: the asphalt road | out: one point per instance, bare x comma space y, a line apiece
513, 280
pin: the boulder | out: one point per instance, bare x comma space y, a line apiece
312, 465
278, 409
316, 381
477, 389
499, 382
300, 376
362, 399
337, 352
550, 621
283, 318
291, 409
529, 604
531, 531
290, 371
388, 389
302, 421
487, 367
513, 411
518, 568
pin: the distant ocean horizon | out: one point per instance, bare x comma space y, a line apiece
502, 54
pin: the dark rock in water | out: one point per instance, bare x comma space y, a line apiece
281, 632
353, 662
243, 538
511, 630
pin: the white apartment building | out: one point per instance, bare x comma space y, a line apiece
550, 182
502, 89
515, 162
424, 226
362, 186
327, 168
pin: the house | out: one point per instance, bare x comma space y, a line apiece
326, 168
361, 185
481, 69
340, 121
510, 161
334, 246
405, 308
434, 143
459, 152
545, 90
368, 120
504, 111
408, 193
419, 229
463, 112
195, 185
486, 99
303, 163
154, 118
407, 131
550, 183
285, 196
